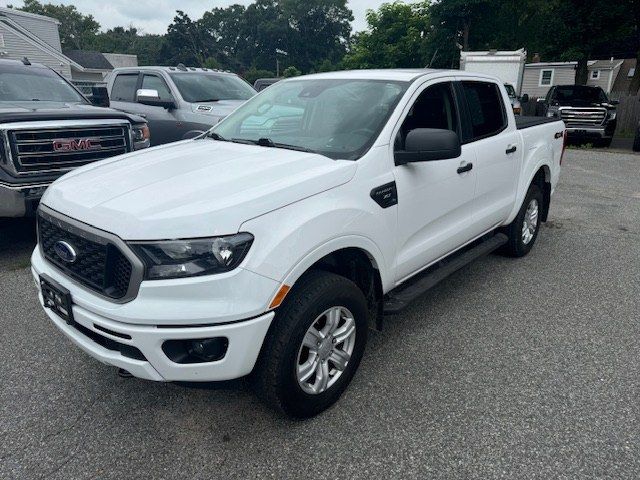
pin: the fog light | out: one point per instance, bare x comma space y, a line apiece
199, 350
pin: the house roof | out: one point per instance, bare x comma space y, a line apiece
89, 59
550, 64
13, 11
604, 64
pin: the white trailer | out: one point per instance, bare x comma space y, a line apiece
508, 66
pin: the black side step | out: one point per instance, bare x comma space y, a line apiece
402, 296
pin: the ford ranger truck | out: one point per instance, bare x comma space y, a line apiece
269, 245
47, 128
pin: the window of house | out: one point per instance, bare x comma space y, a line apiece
595, 74
546, 78
124, 88
632, 72
153, 82
486, 109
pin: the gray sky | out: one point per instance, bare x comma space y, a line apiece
153, 16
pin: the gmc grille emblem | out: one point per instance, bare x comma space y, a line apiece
75, 144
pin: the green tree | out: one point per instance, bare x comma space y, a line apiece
77, 31
396, 37
291, 71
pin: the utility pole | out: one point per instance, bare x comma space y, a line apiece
279, 52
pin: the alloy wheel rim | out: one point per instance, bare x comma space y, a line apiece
326, 350
530, 223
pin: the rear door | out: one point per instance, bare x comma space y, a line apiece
435, 198
496, 144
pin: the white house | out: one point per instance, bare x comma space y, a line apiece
603, 73
540, 76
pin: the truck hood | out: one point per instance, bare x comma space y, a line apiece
45, 110
193, 188
221, 108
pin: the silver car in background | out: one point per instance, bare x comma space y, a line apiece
177, 102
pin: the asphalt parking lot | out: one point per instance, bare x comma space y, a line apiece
520, 369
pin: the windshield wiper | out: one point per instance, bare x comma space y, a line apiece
207, 100
216, 136
267, 142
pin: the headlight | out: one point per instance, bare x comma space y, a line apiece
192, 258
612, 115
552, 114
141, 136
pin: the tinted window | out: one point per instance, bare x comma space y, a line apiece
210, 87
485, 108
579, 93
124, 88
434, 108
154, 82
338, 118
27, 84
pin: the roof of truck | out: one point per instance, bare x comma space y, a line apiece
395, 74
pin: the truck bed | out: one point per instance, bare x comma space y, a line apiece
526, 122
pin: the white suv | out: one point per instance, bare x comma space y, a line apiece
272, 243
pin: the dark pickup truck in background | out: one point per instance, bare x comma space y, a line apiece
587, 112
47, 128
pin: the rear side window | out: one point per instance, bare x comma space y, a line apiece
124, 87
486, 109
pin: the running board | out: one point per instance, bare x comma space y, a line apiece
402, 296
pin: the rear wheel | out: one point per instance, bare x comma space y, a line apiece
523, 231
314, 346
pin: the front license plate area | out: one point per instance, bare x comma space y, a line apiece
57, 298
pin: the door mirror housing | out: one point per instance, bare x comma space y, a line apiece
524, 98
99, 97
148, 96
428, 144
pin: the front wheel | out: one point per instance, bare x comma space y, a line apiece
314, 345
523, 231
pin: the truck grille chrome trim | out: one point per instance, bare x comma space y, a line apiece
46, 147
105, 265
575, 117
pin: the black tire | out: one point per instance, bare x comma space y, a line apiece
516, 246
275, 373
636, 141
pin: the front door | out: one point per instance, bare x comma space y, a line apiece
435, 198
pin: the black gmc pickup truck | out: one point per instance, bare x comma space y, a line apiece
47, 127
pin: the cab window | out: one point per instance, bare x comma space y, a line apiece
434, 108
486, 109
124, 87
153, 82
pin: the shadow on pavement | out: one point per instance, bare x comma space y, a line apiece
17, 240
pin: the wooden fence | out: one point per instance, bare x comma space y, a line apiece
628, 112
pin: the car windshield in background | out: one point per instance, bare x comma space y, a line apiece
211, 87
510, 90
25, 84
581, 93
337, 118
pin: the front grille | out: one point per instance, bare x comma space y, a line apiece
61, 149
574, 117
99, 264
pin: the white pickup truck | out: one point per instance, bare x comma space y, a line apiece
270, 245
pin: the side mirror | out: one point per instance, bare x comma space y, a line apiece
147, 96
427, 144
524, 98
100, 97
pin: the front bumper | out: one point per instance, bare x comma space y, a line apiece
101, 328
590, 131
20, 200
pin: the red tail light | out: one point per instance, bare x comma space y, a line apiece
564, 145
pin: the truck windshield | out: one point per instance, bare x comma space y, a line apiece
337, 118
30, 83
582, 93
211, 87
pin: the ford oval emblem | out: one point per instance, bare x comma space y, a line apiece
65, 251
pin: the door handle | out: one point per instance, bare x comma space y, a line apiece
465, 168
511, 149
